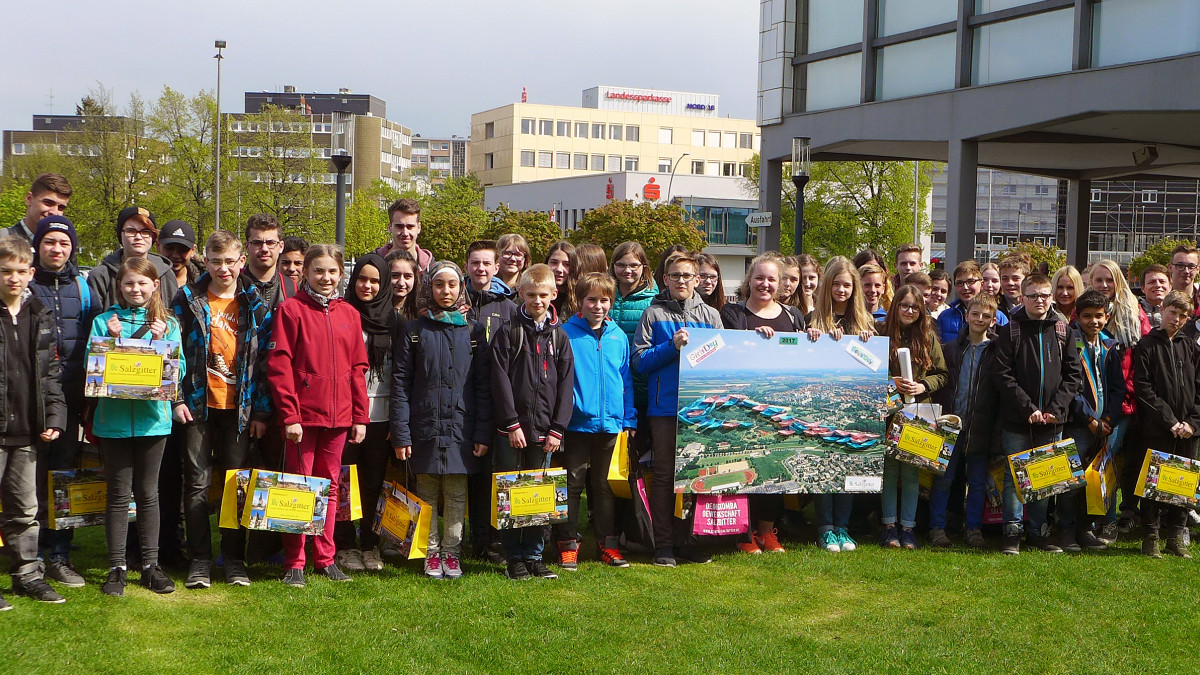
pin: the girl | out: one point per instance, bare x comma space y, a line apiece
564, 262
591, 258
1067, 285
762, 313
317, 371
991, 280
514, 259
908, 325
442, 407
711, 287
789, 282
869, 256
635, 290
134, 433
662, 262
810, 276
370, 292
839, 309
405, 281
939, 290
874, 284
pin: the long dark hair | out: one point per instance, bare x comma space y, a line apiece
565, 302
716, 299
918, 337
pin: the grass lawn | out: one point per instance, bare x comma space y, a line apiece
803, 611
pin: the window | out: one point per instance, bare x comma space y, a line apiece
564, 128
581, 129
489, 161
527, 126
597, 162
714, 139
698, 137
527, 157
1041, 189
614, 163
744, 170
614, 132
713, 168
598, 131
562, 160
900, 16
745, 141
664, 165
833, 83
1026, 47
1149, 196
489, 130
916, 67
728, 169
698, 167
1025, 206
833, 23
666, 136
444, 146
1096, 195
633, 133
580, 161
729, 139
544, 159
1010, 189
546, 127
1120, 30
631, 163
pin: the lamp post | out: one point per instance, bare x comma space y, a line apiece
671, 180
341, 163
801, 168
220, 45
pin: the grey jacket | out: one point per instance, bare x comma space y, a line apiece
105, 285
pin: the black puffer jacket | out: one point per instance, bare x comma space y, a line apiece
73, 305
490, 309
1165, 373
1039, 358
45, 388
976, 434
534, 387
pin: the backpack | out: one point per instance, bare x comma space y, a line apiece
558, 340
1061, 330
415, 339
85, 295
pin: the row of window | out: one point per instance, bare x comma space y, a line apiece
581, 161
282, 127
290, 153
271, 177
628, 132
1148, 196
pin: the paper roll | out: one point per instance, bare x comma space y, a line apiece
904, 357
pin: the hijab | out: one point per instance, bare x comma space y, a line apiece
377, 314
427, 306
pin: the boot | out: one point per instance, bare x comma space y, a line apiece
1150, 546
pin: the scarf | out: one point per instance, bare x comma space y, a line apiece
322, 300
377, 314
427, 306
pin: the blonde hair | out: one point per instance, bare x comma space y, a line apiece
16, 247
768, 258
1125, 323
537, 275
885, 298
1072, 274
856, 319
155, 309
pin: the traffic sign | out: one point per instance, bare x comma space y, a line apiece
759, 219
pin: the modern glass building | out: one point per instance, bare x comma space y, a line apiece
1079, 90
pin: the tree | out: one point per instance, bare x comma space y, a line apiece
1039, 253
656, 226
535, 226
1158, 252
452, 216
186, 126
366, 217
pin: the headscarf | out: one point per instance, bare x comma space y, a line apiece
377, 314
427, 306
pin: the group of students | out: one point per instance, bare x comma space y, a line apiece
509, 365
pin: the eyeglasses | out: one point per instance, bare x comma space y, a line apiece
513, 255
268, 243
681, 276
708, 277
962, 283
1185, 267
1037, 296
228, 262
910, 308
627, 267
147, 234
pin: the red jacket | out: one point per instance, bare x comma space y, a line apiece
317, 364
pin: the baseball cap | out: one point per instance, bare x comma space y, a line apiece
177, 232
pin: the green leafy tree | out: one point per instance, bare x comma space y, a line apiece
12, 202
1039, 253
656, 226
1158, 252
452, 216
186, 127
366, 217
536, 227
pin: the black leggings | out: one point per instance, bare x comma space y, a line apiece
371, 456
131, 465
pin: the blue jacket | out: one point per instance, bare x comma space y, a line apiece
1112, 378
603, 391
654, 353
952, 321
71, 301
127, 418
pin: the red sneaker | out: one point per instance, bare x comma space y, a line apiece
770, 542
613, 558
750, 546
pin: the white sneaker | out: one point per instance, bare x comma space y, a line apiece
371, 560
829, 542
350, 560
433, 566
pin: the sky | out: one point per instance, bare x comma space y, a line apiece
434, 63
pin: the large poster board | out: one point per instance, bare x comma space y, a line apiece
784, 415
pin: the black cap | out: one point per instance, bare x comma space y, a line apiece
131, 211
177, 232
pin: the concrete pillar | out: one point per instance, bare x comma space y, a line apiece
770, 191
1079, 216
962, 175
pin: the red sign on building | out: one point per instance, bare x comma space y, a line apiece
651, 191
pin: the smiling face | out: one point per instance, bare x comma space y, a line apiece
909, 309
323, 275
809, 278
789, 281
764, 283
967, 285
560, 265
1010, 282
54, 251
1183, 271
990, 284
224, 267
512, 261
137, 289
41, 205
1065, 292
980, 320
1091, 321
841, 288
405, 228
872, 290
366, 285
938, 293
1156, 286
481, 267
291, 264
403, 278
595, 307
628, 271
1102, 281
537, 299
708, 280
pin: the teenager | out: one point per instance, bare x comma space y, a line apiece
316, 369
939, 290
711, 286
1068, 286
591, 258
869, 256
990, 284
908, 261
1156, 283
264, 242
48, 195
488, 295
177, 243
1013, 270
404, 224
874, 285
136, 232
635, 286
564, 263
405, 282
968, 282
291, 261
515, 258
1185, 261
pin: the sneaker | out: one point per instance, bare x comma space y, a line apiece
495, 554
750, 546
889, 538
1176, 546
36, 588
695, 555
829, 542
613, 558
114, 585
451, 568
1011, 544
1150, 546
908, 539
1186, 537
351, 559
1128, 521
157, 580
1068, 542
433, 566
62, 572
844, 539
199, 574
235, 573
974, 539
372, 560
540, 569
1087, 539
4, 606
937, 537
517, 571
332, 573
1108, 533
770, 542
664, 558
1043, 543
568, 555
294, 578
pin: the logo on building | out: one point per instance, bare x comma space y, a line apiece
625, 96
651, 191
700, 106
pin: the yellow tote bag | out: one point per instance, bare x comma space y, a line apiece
233, 498
618, 468
349, 505
402, 519
1101, 479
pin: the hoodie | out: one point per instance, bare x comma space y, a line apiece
654, 352
490, 308
106, 286
603, 391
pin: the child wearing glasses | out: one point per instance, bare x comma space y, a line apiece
968, 280
711, 286
137, 233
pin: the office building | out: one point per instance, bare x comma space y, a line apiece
436, 159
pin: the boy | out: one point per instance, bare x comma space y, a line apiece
1166, 367
1094, 412
969, 396
1185, 261
291, 261
1013, 270
177, 243
1036, 373
939, 290
661, 334
48, 195
404, 224
603, 407
137, 233
1156, 283
533, 372
264, 243
33, 411
60, 287
225, 327
968, 281
908, 261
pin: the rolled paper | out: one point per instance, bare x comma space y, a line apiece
904, 357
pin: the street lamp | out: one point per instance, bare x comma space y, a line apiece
220, 45
671, 180
341, 163
801, 168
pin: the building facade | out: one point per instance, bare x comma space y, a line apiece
437, 159
616, 129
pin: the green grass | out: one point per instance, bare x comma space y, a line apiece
808, 611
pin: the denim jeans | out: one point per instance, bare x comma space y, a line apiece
906, 474
939, 495
833, 511
18, 518
520, 543
1012, 442
452, 487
